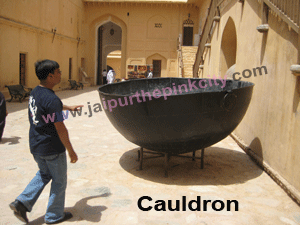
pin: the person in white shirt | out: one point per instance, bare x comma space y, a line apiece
150, 74
111, 76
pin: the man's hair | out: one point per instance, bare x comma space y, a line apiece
44, 67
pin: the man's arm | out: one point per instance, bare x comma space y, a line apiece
72, 108
64, 137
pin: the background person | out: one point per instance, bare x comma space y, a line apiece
3, 114
48, 143
150, 74
111, 76
104, 74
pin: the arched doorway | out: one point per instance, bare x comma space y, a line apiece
228, 47
109, 40
188, 32
159, 64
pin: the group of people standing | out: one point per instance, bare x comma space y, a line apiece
110, 77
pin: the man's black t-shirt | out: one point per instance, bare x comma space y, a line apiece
44, 109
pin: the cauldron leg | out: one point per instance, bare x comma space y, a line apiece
167, 157
139, 155
193, 158
141, 158
202, 158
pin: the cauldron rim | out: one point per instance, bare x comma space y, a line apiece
247, 83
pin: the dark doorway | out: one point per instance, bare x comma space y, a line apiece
99, 68
188, 36
156, 68
22, 68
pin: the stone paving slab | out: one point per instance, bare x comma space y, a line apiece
104, 186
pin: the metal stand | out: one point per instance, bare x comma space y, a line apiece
167, 157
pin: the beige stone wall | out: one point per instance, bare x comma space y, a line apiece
142, 42
271, 126
27, 27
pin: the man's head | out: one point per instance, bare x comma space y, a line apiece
48, 71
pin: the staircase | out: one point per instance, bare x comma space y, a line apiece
288, 11
188, 59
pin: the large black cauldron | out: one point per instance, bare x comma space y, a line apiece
176, 115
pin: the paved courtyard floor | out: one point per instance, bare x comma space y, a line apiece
104, 186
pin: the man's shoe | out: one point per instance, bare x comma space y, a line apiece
68, 215
19, 210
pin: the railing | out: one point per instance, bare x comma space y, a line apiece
288, 10
288, 7
205, 35
180, 62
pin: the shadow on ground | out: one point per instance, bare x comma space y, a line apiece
15, 105
81, 211
12, 140
221, 167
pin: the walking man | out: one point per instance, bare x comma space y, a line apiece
48, 143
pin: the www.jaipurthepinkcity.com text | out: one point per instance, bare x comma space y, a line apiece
164, 92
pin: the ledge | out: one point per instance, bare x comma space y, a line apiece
295, 69
263, 28
217, 18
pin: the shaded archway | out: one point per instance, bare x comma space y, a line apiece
228, 47
109, 40
111, 35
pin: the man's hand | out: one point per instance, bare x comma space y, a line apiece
73, 156
64, 137
72, 108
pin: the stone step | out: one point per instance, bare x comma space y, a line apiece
188, 64
188, 68
188, 60
189, 48
189, 57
